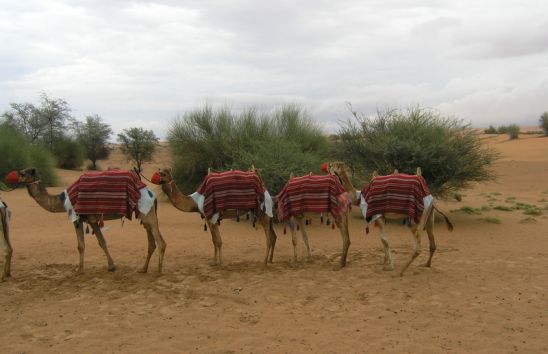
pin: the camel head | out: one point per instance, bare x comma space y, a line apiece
162, 176
337, 168
25, 176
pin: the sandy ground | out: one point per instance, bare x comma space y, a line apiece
487, 291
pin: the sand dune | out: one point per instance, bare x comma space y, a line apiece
487, 291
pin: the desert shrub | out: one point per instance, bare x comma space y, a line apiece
513, 131
17, 153
277, 143
544, 122
503, 129
68, 153
490, 130
491, 220
449, 152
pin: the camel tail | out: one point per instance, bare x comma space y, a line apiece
447, 221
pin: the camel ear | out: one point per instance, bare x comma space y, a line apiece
252, 168
419, 171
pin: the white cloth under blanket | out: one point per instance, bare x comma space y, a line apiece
200, 199
363, 206
144, 204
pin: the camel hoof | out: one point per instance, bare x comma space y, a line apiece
111, 268
388, 267
427, 265
142, 270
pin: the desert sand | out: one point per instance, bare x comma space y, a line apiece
487, 290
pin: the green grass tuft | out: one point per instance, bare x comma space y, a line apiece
491, 220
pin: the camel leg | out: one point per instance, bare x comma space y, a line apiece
388, 264
103, 245
342, 224
265, 223
151, 249
217, 243
5, 245
431, 240
417, 239
273, 238
150, 222
293, 228
79, 226
305, 236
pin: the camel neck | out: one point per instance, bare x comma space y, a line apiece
179, 200
49, 202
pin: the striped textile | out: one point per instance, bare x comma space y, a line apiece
398, 193
110, 192
312, 194
231, 190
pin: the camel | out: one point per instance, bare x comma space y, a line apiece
5, 241
55, 204
426, 220
300, 218
186, 203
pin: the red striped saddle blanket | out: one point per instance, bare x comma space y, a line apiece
109, 192
311, 194
231, 190
398, 193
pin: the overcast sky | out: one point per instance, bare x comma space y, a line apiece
141, 63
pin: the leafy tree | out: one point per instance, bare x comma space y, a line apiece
40, 124
25, 118
277, 143
449, 153
55, 114
138, 145
544, 122
68, 152
93, 135
491, 130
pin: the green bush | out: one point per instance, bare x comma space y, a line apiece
277, 143
17, 153
544, 122
513, 131
490, 130
450, 153
68, 153
503, 129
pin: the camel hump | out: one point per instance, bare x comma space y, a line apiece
419, 171
209, 170
395, 171
375, 174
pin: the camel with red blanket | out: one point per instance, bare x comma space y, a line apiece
230, 194
395, 197
97, 197
5, 240
311, 194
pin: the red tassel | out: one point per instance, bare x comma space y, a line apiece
298, 227
333, 226
285, 230
366, 230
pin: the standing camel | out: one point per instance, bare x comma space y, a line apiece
136, 193
311, 194
187, 204
395, 197
5, 240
